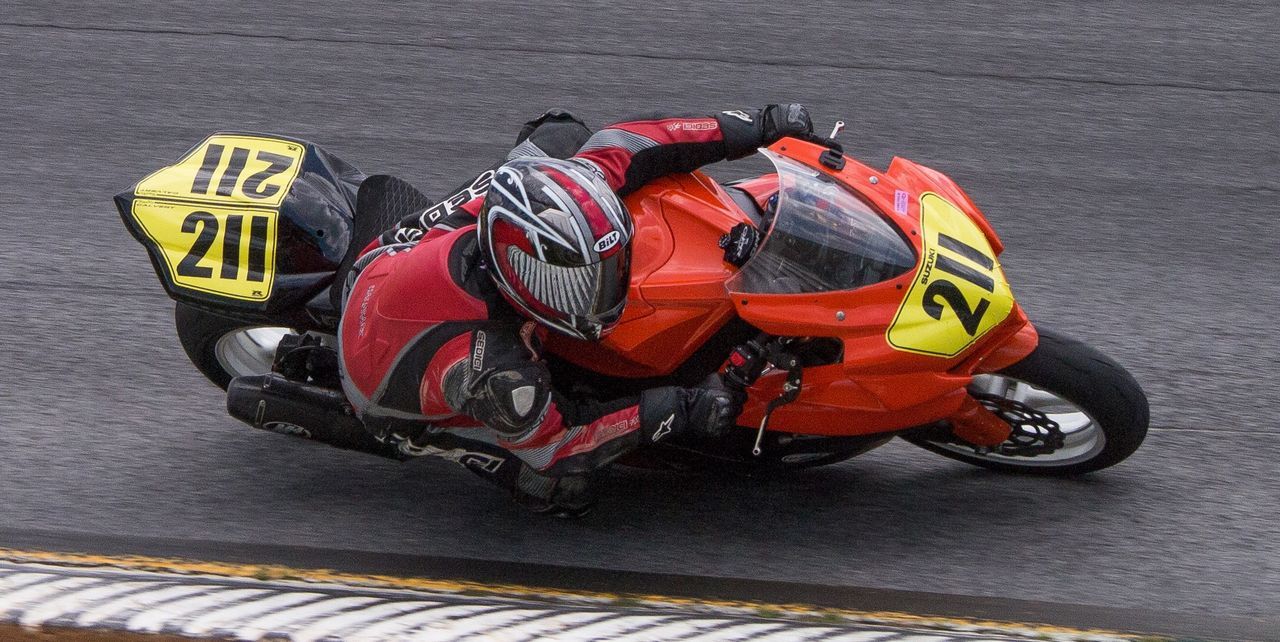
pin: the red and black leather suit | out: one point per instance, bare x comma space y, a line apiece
420, 310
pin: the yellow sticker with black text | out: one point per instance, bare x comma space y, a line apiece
959, 292
229, 169
225, 251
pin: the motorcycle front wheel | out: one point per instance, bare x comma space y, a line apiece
1099, 411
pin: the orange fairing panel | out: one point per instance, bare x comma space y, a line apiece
677, 298
1011, 350
924, 179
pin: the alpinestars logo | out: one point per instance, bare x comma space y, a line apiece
665, 427
739, 114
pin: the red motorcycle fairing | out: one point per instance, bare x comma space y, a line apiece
679, 298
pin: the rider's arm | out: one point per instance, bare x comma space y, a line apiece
556, 133
628, 154
494, 376
632, 153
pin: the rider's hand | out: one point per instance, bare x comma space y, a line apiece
788, 119
712, 408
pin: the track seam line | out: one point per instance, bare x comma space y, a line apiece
652, 56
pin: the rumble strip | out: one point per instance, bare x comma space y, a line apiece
146, 595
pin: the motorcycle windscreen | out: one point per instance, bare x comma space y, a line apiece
246, 221
823, 238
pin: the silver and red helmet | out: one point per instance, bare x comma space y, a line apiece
558, 242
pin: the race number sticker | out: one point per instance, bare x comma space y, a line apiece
959, 292
225, 251
229, 169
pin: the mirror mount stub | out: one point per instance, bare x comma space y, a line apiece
832, 158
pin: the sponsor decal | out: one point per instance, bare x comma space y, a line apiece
608, 241
665, 427
286, 428
477, 352
739, 114
609, 432
477, 189
693, 125
474, 460
364, 310
900, 200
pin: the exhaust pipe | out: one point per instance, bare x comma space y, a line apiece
272, 402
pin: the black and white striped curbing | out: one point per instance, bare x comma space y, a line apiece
39, 595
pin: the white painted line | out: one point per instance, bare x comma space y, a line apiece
552, 624
281, 620
42, 591
794, 634
610, 628
75, 602
338, 623
740, 632
863, 636
137, 601
465, 628
393, 628
17, 580
154, 619
682, 628
923, 638
230, 617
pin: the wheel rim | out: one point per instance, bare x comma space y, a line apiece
1082, 434
248, 351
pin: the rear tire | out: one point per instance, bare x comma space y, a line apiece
222, 348
1102, 410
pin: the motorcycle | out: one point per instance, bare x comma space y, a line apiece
853, 305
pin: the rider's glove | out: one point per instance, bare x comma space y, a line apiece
744, 132
790, 119
705, 411
712, 408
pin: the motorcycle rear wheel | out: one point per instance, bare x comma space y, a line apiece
222, 348
1099, 407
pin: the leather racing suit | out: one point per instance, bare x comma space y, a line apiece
433, 357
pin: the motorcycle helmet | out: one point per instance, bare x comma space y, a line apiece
558, 244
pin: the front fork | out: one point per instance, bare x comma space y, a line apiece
975, 424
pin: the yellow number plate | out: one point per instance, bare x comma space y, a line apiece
959, 292
229, 169
220, 250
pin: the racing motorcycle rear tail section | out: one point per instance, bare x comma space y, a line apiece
249, 234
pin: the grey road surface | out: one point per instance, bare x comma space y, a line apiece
1128, 152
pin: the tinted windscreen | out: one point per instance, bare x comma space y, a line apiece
824, 238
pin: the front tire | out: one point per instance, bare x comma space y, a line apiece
1100, 408
222, 348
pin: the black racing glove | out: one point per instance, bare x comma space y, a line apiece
712, 408
705, 411
779, 120
745, 132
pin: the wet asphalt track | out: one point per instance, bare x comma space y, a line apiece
1128, 153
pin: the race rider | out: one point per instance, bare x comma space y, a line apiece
444, 314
